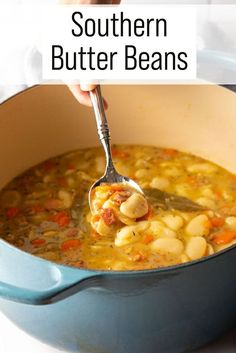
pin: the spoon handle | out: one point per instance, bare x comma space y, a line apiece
102, 124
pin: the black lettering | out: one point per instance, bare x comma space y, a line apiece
77, 34
158, 29
82, 55
168, 65
90, 23
73, 65
184, 62
57, 56
102, 60
130, 57
144, 58
124, 21
139, 26
157, 63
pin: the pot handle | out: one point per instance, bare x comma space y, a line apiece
61, 290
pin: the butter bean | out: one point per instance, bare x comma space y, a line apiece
101, 228
173, 171
160, 183
66, 198
167, 245
231, 222
196, 248
158, 229
142, 173
130, 234
198, 226
206, 202
201, 168
174, 222
210, 250
135, 206
183, 190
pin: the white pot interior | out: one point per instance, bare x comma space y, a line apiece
46, 120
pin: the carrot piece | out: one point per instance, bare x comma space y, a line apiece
217, 221
70, 244
148, 238
12, 212
37, 242
224, 237
61, 218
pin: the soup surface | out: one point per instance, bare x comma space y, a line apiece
45, 210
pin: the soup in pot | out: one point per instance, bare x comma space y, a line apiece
45, 211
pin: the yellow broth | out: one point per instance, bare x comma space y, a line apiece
45, 210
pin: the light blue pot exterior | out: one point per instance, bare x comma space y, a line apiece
171, 310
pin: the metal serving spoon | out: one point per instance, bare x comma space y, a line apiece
157, 197
111, 175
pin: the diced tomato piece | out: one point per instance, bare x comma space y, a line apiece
70, 244
61, 218
12, 212
108, 216
37, 242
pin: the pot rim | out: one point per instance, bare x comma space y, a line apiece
164, 269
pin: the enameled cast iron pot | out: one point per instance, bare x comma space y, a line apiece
169, 310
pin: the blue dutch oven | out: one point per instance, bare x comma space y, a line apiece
170, 310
